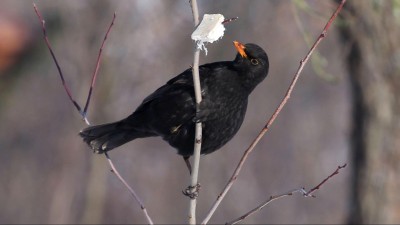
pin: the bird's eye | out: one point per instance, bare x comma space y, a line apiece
254, 61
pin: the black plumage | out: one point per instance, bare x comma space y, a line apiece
170, 111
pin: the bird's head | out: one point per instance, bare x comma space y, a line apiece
252, 62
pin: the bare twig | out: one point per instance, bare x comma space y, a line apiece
97, 68
312, 190
58, 65
262, 205
84, 112
289, 193
133, 193
273, 117
198, 131
229, 20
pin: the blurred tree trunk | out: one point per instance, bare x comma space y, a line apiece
371, 37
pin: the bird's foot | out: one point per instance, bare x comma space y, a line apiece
192, 191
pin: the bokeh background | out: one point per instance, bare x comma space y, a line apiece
48, 175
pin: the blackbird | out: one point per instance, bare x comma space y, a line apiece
170, 111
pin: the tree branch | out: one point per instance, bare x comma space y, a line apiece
289, 193
66, 88
198, 131
273, 117
97, 69
84, 112
130, 189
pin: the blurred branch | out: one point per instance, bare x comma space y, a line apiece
318, 62
192, 190
273, 117
289, 193
130, 189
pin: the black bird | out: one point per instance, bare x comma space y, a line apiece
170, 111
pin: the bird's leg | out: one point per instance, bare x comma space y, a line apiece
186, 158
191, 191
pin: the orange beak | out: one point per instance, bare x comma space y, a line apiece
240, 48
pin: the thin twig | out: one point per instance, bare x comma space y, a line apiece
198, 131
229, 20
58, 65
312, 190
133, 193
97, 68
262, 205
289, 193
83, 113
273, 117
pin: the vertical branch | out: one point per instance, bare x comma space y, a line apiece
273, 117
198, 131
195, 11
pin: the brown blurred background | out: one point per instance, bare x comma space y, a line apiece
343, 110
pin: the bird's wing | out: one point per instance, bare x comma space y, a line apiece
182, 81
181, 88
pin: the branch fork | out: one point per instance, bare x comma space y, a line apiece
83, 112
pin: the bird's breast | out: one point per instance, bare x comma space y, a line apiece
217, 132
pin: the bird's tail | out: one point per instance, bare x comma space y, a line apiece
103, 138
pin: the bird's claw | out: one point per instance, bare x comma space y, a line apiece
192, 191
